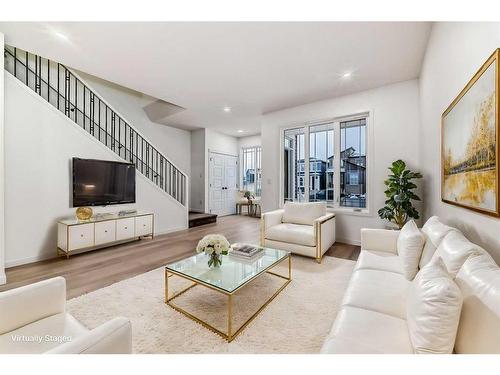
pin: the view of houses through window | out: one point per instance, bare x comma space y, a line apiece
251, 170
334, 146
294, 168
353, 163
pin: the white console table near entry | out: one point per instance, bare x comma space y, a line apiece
102, 231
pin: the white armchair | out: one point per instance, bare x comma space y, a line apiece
33, 319
301, 228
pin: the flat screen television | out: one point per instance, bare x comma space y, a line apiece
102, 182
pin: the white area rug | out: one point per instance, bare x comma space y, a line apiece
296, 321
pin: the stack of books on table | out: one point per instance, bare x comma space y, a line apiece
246, 252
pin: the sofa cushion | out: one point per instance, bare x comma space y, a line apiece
410, 243
433, 312
42, 335
292, 233
434, 232
454, 250
379, 260
360, 331
303, 213
308, 251
479, 327
381, 291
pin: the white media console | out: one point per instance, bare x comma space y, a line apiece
102, 230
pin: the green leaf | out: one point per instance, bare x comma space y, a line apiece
398, 207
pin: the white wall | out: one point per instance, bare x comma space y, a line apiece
170, 141
250, 141
2, 175
41, 143
222, 143
197, 183
454, 53
395, 122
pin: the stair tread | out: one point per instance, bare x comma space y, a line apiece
198, 218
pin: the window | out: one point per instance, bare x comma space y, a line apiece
320, 152
333, 154
294, 169
353, 163
251, 170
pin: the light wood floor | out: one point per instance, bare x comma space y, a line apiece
93, 270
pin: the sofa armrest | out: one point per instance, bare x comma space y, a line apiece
324, 229
321, 220
112, 337
268, 220
30, 303
380, 240
272, 218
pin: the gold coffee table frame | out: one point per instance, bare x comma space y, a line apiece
230, 335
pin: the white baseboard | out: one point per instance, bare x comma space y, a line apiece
3, 279
170, 230
349, 241
21, 261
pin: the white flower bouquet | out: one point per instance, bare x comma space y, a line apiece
214, 245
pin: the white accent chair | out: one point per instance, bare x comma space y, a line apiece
33, 319
301, 228
373, 315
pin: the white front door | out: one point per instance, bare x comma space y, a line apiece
223, 183
231, 184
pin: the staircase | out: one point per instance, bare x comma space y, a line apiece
59, 86
197, 219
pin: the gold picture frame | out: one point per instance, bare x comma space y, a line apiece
470, 139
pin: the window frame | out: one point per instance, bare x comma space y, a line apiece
336, 120
256, 150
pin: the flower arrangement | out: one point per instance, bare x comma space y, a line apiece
214, 245
248, 195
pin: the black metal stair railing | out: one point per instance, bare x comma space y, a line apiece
65, 91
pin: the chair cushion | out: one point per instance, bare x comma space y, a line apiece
410, 244
292, 233
379, 260
303, 213
360, 331
381, 291
433, 312
479, 281
454, 250
42, 335
434, 231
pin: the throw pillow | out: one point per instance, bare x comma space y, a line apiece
410, 244
433, 309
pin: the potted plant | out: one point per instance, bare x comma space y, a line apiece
214, 245
398, 206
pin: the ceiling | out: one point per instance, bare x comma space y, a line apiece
252, 68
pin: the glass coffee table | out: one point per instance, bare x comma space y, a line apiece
227, 279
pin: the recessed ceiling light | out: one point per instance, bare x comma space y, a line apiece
227, 109
346, 75
61, 35
241, 131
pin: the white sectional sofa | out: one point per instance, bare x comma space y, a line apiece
373, 316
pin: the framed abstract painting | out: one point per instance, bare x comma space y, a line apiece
470, 143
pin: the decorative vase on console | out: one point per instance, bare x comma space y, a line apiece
215, 246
